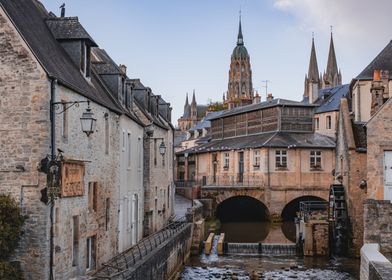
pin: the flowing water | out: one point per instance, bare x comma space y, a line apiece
265, 251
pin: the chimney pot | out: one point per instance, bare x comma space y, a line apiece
376, 75
270, 97
123, 69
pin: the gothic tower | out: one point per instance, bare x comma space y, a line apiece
193, 115
312, 79
332, 77
240, 89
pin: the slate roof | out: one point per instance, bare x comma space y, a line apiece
68, 28
205, 122
179, 137
30, 17
103, 63
329, 98
265, 104
383, 61
269, 139
360, 135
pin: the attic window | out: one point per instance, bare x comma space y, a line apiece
85, 58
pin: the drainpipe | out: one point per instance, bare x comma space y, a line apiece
53, 82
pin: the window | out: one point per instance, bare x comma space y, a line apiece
129, 150
168, 196
140, 154
281, 159
90, 253
315, 159
155, 152
329, 122
123, 141
107, 213
317, 123
256, 159
85, 59
226, 160
75, 240
106, 133
92, 196
64, 123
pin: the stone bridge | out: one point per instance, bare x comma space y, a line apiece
274, 199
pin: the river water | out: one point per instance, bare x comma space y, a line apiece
266, 267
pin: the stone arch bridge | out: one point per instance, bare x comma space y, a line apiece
275, 200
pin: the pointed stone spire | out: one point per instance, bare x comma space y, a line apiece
240, 39
313, 67
332, 66
186, 100
193, 99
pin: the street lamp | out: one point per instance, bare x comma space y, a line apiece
162, 149
88, 121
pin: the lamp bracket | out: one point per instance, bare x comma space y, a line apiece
66, 105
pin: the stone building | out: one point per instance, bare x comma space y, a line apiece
193, 113
158, 184
268, 149
314, 81
240, 88
100, 212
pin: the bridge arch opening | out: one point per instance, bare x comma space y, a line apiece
242, 209
289, 212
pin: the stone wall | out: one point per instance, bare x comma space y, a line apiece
24, 141
316, 238
378, 227
374, 266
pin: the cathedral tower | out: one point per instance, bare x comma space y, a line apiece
240, 89
312, 79
332, 77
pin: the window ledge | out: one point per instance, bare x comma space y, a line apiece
316, 169
281, 168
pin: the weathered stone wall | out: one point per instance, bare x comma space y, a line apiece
158, 180
351, 168
24, 141
379, 125
374, 266
316, 238
99, 167
378, 227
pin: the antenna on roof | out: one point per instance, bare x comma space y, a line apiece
62, 7
266, 87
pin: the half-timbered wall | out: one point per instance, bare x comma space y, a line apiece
266, 120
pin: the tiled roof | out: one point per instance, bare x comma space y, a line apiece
383, 61
265, 104
270, 139
329, 98
68, 28
30, 16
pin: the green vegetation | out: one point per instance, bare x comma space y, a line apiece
11, 224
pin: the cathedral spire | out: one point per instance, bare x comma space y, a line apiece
313, 67
240, 39
332, 77
186, 100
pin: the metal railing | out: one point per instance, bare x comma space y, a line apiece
119, 265
185, 183
306, 208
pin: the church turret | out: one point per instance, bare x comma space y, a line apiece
332, 76
186, 105
312, 80
194, 109
240, 89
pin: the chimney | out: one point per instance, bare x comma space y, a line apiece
123, 69
62, 7
270, 97
378, 87
257, 98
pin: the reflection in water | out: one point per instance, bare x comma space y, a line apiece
259, 232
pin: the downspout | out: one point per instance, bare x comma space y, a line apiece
53, 82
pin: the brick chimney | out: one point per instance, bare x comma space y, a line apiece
123, 69
257, 98
379, 84
270, 97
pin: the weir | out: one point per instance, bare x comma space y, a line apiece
261, 249
251, 249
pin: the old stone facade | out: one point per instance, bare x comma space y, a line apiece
102, 212
267, 151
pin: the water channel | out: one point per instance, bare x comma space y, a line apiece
271, 266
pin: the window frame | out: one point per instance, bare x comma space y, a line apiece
256, 159
281, 157
315, 159
226, 160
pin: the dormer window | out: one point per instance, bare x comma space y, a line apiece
85, 58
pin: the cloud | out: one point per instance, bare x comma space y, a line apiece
353, 19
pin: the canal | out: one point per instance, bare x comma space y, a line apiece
245, 266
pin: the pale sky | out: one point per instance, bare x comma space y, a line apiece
175, 46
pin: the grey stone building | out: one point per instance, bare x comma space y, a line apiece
47, 59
